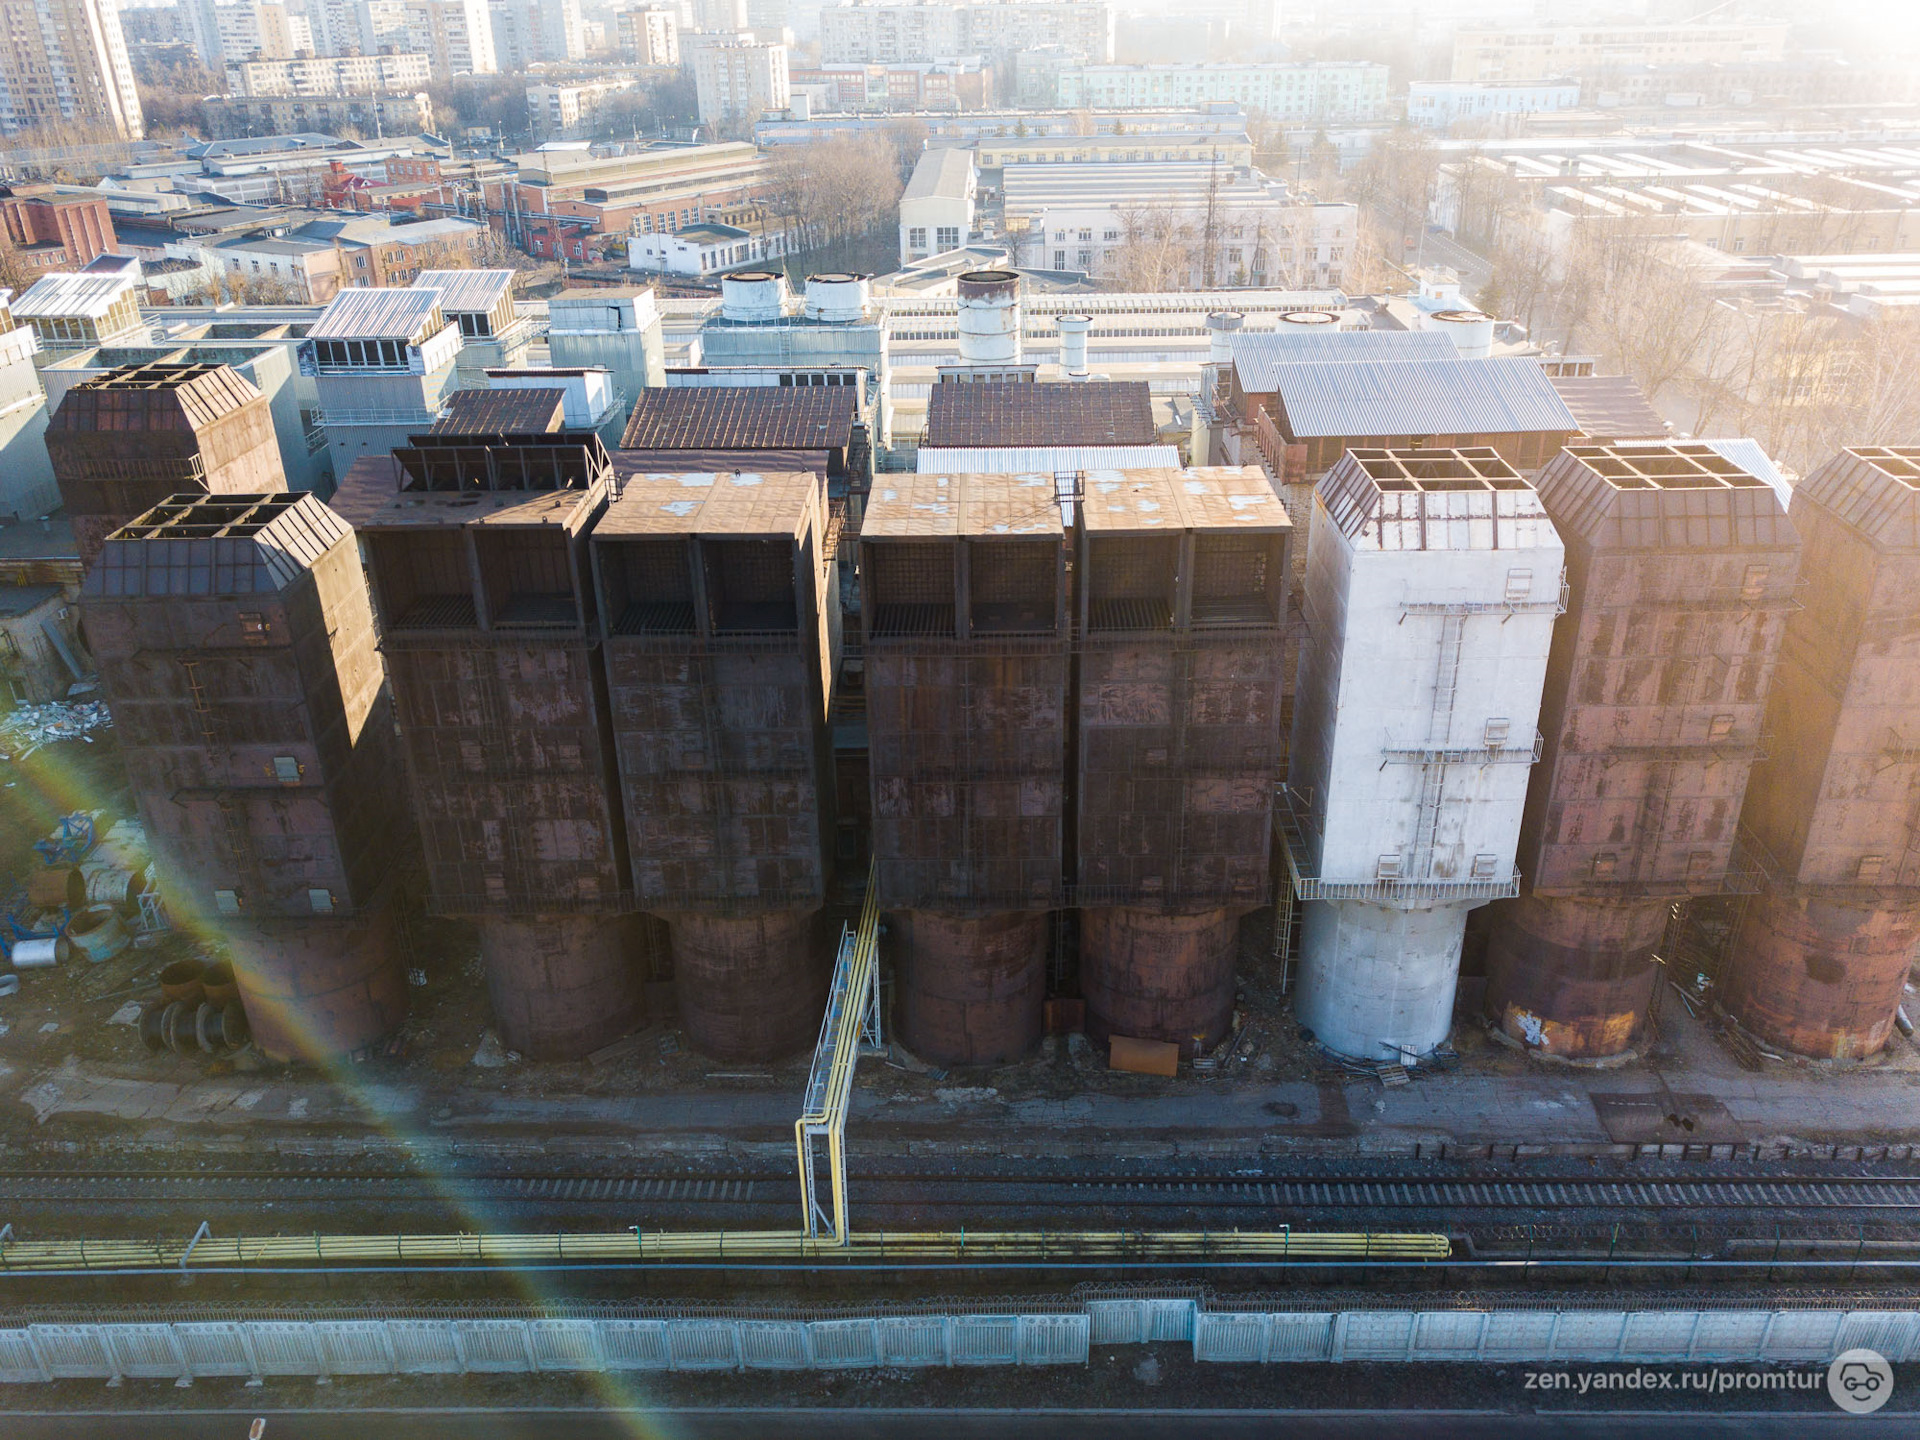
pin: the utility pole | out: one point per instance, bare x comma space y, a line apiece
1207, 236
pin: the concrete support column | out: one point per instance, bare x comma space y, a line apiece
1378, 979
1821, 974
563, 985
972, 988
1572, 976
750, 987
1159, 975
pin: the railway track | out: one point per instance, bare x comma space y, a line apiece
948, 1192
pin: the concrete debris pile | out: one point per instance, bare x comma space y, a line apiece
28, 727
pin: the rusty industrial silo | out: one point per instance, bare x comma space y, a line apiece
963, 604
125, 441
1822, 954
1182, 596
720, 612
1681, 565
477, 548
237, 649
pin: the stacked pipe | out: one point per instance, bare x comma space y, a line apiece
1821, 955
1681, 565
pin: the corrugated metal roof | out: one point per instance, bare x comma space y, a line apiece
1610, 407
1874, 488
1047, 460
216, 545
1420, 397
742, 417
56, 295
466, 291
368, 314
922, 507
1748, 455
1257, 354
502, 412
738, 503
1683, 497
1014, 414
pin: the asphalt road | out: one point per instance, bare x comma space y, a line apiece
928, 1424
1444, 250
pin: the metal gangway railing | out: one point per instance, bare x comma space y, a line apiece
850, 1026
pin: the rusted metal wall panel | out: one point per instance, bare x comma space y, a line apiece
1682, 573
259, 740
1819, 962
1179, 753
719, 756
967, 753
510, 755
561, 986
1837, 788
1572, 977
320, 989
1655, 696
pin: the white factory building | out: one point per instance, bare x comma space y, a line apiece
936, 209
1433, 580
1105, 218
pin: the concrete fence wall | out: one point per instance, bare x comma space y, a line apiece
185, 1351
1631, 1336
256, 1350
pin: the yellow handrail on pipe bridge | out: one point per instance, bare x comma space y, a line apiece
851, 1021
209, 1252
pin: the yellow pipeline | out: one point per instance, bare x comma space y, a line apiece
211, 1252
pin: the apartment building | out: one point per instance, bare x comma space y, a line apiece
534, 32
331, 75
1519, 54
1334, 91
740, 81
231, 117
901, 85
258, 32
567, 111
648, 37
65, 61
884, 33
456, 36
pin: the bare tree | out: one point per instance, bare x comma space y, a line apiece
1155, 250
1397, 180
837, 195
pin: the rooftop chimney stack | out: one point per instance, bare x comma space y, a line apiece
989, 317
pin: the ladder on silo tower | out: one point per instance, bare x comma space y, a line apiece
850, 1028
1446, 685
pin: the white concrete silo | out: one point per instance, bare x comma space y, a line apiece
1433, 578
